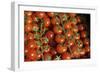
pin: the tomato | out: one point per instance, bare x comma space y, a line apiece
65, 56
32, 55
87, 49
74, 28
45, 40
46, 22
53, 52
59, 38
47, 56
83, 34
40, 14
86, 41
31, 44
78, 19
71, 42
39, 56
55, 21
61, 48
81, 27
82, 52
46, 48
57, 29
28, 13
67, 25
51, 14
28, 27
35, 19
50, 35
72, 14
30, 36
68, 33
76, 54
28, 20
73, 20
35, 27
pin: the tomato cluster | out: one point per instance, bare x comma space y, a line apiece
55, 36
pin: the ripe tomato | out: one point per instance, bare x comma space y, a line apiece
83, 34
78, 19
35, 27
50, 35
55, 21
57, 29
32, 55
79, 43
46, 22
82, 52
74, 28
40, 14
53, 52
61, 48
51, 14
28, 13
59, 38
77, 36
71, 42
67, 25
65, 56
87, 49
28, 27
46, 48
31, 44
28, 20
81, 27
35, 19
47, 56
86, 42
68, 33
76, 54
30, 36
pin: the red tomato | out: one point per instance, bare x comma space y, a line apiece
28, 27
30, 36
68, 34
81, 27
40, 14
53, 52
28, 13
87, 49
50, 35
46, 22
47, 56
77, 36
28, 20
31, 44
57, 29
83, 34
46, 48
74, 28
59, 38
86, 41
35, 27
82, 52
67, 25
61, 49
76, 54
79, 43
66, 56
35, 19
51, 14
55, 21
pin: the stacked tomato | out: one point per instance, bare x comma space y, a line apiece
55, 36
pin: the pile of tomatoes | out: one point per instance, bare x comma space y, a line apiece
55, 36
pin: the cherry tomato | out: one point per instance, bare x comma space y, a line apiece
68, 33
30, 36
28, 13
82, 52
50, 35
83, 34
40, 14
79, 43
77, 36
87, 49
28, 27
78, 19
51, 14
28, 20
67, 25
59, 38
35, 19
76, 54
35, 27
74, 28
53, 52
46, 22
55, 21
61, 48
81, 27
66, 56
57, 29
31, 44
46, 48
86, 42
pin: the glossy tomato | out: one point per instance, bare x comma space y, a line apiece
50, 35
55, 21
28, 27
40, 14
65, 56
46, 22
57, 29
59, 38
51, 14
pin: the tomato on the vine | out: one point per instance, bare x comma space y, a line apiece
55, 21
51, 14
40, 14
57, 29
46, 22
28, 27
66, 56
60, 38
49, 34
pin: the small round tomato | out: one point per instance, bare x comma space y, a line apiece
83, 34
45, 40
82, 52
67, 25
47, 56
51, 14
31, 44
61, 48
86, 42
70, 42
53, 52
40, 14
65, 56
57, 29
35, 27
28, 27
28, 20
46, 48
30, 36
32, 55
46, 22
68, 33
73, 20
74, 28
55, 21
81, 27
76, 54
87, 49
78, 19
28, 13
35, 19
72, 14
50, 35
59, 38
